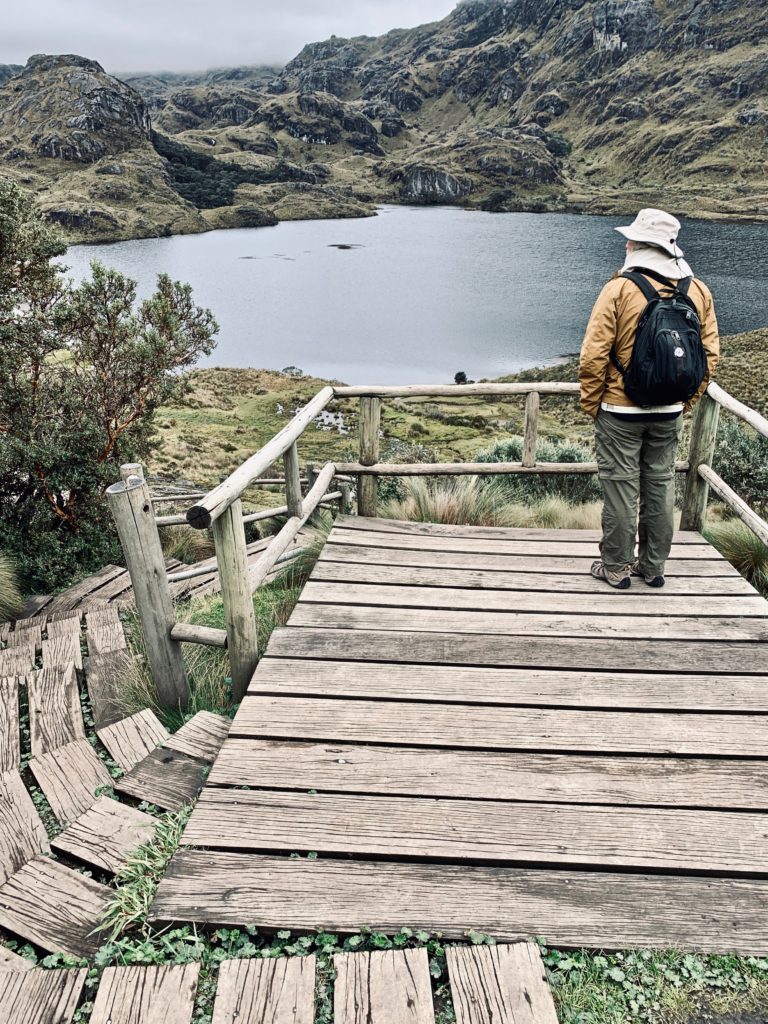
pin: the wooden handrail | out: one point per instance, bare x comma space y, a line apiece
220, 498
747, 515
475, 468
455, 390
750, 416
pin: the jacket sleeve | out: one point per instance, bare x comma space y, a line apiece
599, 339
710, 339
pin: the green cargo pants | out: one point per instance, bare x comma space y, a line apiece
636, 462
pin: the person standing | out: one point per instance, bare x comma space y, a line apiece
636, 437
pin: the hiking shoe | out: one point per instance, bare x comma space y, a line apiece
620, 580
652, 581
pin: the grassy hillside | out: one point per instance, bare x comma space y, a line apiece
228, 414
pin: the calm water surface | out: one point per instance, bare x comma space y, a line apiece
422, 292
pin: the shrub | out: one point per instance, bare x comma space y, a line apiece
185, 544
11, 601
529, 488
741, 458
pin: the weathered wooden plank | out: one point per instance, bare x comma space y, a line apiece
201, 737
38, 996
499, 985
106, 834
480, 774
10, 961
5, 629
130, 740
55, 715
22, 834
166, 778
496, 546
514, 651
467, 684
384, 987
572, 908
502, 728
508, 562
10, 744
543, 583
54, 907
438, 620
17, 661
32, 621
31, 636
146, 995
106, 637
552, 536
508, 601
73, 613
278, 991
63, 650
636, 838
105, 675
67, 625
108, 614
69, 777
70, 599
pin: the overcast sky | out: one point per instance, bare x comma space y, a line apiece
179, 35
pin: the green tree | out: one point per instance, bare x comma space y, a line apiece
82, 372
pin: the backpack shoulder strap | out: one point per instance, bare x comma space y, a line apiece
642, 283
684, 284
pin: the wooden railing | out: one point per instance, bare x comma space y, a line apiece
221, 510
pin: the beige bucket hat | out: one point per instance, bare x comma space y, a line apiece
655, 227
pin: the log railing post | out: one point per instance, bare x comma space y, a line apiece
131, 506
293, 496
346, 497
370, 418
232, 560
702, 451
531, 430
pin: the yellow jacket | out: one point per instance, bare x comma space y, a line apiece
613, 323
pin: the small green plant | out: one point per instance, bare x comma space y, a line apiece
11, 601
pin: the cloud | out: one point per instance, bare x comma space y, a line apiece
177, 35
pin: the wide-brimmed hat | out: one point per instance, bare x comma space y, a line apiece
654, 227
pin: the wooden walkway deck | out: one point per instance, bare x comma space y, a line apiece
470, 732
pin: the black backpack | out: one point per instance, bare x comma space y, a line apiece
668, 361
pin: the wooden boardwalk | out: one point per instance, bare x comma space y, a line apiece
470, 732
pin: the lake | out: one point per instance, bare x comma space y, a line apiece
416, 294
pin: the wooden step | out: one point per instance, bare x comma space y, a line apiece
67, 625
130, 740
201, 737
146, 995
602, 910
280, 991
54, 907
22, 834
55, 715
503, 984
69, 777
165, 778
10, 749
63, 650
38, 996
384, 987
17, 661
10, 961
106, 834
105, 675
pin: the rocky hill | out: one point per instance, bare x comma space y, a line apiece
596, 105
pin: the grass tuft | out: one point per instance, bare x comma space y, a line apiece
743, 549
185, 544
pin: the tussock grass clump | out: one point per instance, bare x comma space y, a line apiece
469, 501
745, 551
11, 601
185, 544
